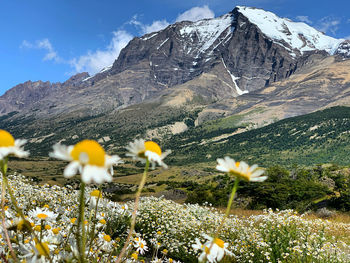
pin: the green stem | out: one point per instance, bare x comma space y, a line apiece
230, 201
133, 219
81, 239
228, 209
92, 232
3, 164
41, 229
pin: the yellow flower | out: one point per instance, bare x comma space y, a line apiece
107, 238
134, 256
96, 193
8, 145
72, 220
88, 158
241, 169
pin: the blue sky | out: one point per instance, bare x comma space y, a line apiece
52, 40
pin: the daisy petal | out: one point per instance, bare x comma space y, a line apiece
71, 169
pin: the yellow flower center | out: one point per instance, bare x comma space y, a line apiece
6, 139
134, 256
153, 147
42, 216
237, 164
107, 238
102, 221
89, 152
219, 242
43, 249
37, 228
96, 193
73, 220
243, 175
55, 231
47, 227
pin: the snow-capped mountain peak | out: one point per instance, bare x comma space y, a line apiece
292, 35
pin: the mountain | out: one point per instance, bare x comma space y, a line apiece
246, 69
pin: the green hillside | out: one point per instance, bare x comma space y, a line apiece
319, 137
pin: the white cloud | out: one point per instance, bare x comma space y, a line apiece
195, 14
94, 61
304, 19
156, 25
44, 44
329, 24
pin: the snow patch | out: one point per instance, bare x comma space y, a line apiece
88, 78
162, 43
239, 91
149, 37
101, 71
207, 31
297, 35
106, 68
344, 49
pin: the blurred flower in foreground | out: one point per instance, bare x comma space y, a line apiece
142, 150
8, 146
241, 170
213, 250
89, 159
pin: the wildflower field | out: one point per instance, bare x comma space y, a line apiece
44, 223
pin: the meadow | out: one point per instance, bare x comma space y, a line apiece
52, 223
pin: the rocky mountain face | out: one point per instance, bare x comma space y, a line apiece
184, 75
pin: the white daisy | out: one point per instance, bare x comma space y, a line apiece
42, 214
140, 245
213, 250
241, 169
89, 159
142, 150
8, 146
